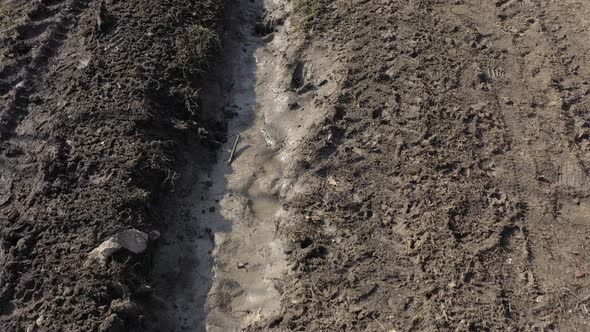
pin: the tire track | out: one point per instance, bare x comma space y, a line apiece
31, 46
545, 163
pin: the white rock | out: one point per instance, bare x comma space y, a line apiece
131, 239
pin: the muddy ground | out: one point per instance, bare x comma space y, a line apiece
97, 98
404, 165
448, 187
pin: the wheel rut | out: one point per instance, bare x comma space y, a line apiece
225, 266
32, 44
224, 262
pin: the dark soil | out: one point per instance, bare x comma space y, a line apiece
96, 100
449, 186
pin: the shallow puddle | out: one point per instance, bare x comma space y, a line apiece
237, 264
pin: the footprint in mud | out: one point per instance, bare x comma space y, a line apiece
33, 31
5, 188
491, 74
524, 4
7, 70
488, 166
514, 4
5, 87
50, 3
513, 8
227, 290
298, 76
481, 42
38, 41
44, 10
571, 174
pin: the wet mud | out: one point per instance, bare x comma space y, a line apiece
232, 270
399, 165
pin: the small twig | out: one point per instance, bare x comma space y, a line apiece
574, 294
378, 322
216, 142
172, 176
233, 151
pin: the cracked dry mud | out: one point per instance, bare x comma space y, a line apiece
410, 165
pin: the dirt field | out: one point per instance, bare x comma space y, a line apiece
448, 188
97, 98
415, 165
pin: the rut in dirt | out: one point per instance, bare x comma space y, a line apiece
224, 259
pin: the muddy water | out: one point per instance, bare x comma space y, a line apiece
248, 260
223, 259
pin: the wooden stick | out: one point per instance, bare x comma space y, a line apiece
233, 151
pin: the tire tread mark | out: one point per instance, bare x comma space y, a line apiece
18, 80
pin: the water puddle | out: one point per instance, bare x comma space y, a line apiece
225, 254
223, 258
